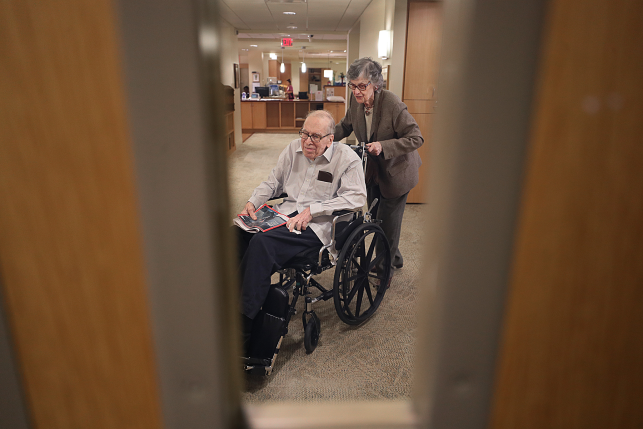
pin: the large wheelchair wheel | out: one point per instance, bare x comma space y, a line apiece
362, 274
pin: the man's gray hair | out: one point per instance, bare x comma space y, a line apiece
323, 114
368, 69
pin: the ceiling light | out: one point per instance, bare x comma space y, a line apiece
292, 27
253, 46
290, 13
273, 56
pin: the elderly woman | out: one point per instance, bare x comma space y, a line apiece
380, 118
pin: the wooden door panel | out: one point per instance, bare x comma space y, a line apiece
70, 242
422, 50
572, 355
425, 122
421, 76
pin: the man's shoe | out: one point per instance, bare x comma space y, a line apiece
398, 266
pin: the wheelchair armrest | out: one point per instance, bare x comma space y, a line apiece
343, 212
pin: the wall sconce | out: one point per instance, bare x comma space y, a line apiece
384, 44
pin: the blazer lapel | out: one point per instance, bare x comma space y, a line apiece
377, 113
359, 126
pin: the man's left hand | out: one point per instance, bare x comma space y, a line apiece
299, 222
374, 148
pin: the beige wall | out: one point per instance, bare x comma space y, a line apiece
229, 56
382, 15
398, 48
255, 64
295, 68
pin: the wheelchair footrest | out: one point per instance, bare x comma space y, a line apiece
268, 328
266, 333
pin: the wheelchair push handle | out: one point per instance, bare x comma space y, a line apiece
360, 150
368, 216
370, 209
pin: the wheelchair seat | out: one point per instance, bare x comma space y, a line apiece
344, 223
306, 259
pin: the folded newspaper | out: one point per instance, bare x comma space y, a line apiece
267, 219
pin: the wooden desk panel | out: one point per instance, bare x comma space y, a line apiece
258, 115
275, 115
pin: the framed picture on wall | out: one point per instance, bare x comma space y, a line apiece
385, 75
237, 76
255, 77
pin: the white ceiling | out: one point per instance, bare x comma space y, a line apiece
263, 23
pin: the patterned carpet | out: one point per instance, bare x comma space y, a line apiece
371, 361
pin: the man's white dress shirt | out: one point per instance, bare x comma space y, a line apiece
340, 186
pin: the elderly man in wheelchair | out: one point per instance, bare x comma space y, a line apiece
323, 190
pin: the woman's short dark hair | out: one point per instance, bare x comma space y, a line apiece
367, 68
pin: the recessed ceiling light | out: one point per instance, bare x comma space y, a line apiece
253, 46
292, 27
290, 13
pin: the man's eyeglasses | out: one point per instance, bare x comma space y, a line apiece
361, 86
316, 138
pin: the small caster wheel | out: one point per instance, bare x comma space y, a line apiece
312, 332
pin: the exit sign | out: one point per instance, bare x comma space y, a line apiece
286, 41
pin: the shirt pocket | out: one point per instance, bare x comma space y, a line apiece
321, 191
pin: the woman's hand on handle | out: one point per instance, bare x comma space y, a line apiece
374, 148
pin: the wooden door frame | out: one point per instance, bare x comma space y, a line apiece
476, 185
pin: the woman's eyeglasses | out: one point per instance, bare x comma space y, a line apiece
316, 138
361, 86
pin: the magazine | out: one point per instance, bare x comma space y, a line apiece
267, 219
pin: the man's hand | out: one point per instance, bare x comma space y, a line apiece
249, 210
374, 148
299, 222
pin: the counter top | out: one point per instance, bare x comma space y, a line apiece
291, 101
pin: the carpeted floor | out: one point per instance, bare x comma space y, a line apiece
371, 361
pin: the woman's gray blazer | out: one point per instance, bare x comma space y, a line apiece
394, 127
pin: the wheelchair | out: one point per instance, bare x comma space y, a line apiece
361, 278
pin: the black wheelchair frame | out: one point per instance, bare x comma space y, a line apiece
362, 275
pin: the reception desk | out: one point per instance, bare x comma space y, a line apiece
276, 115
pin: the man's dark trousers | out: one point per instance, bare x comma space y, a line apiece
262, 254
